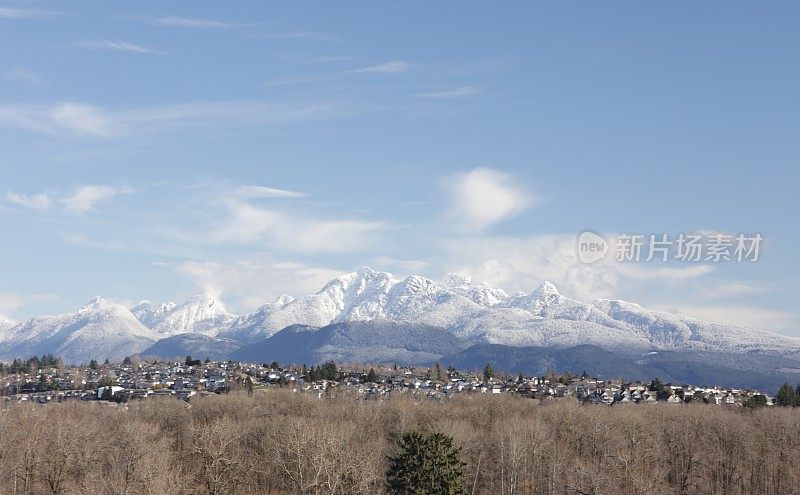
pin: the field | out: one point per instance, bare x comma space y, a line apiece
277, 442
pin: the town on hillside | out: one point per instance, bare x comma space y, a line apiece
47, 380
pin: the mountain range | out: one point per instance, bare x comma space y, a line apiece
371, 316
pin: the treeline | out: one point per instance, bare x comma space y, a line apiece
34, 363
788, 396
279, 443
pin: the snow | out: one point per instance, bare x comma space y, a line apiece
99, 329
201, 314
474, 312
5, 324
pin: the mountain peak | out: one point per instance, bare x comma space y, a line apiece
365, 270
205, 299
454, 280
6, 322
283, 299
96, 302
546, 289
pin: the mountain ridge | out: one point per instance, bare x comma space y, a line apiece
473, 313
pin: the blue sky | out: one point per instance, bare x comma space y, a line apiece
156, 150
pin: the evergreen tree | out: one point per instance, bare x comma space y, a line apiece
328, 371
488, 372
93, 364
372, 377
787, 396
188, 360
438, 373
656, 385
43, 384
428, 464
127, 360
756, 401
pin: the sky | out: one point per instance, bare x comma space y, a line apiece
162, 149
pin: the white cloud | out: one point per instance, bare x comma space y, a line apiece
648, 272
387, 68
250, 283
185, 22
84, 120
21, 74
86, 198
521, 264
246, 224
451, 93
78, 119
11, 301
267, 192
484, 196
118, 46
389, 263
34, 201
745, 316
730, 289
392, 67
12, 13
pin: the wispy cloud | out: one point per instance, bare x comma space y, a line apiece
192, 23
80, 119
743, 316
451, 93
13, 13
392, 67
248, 283
266, 192
330, 59
34, 201
80, 200
303, 35
395, 67
292, 80
21, 74
85, 198
85, 120
118, 46
11, 301
246, 223
645, 272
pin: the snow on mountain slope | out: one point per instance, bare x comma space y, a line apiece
5, 324
98, 330
478, 313
473, 313
201, 314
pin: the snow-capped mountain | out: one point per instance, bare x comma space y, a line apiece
201, 314
99, 329
477, 313
473, 313
6, 323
